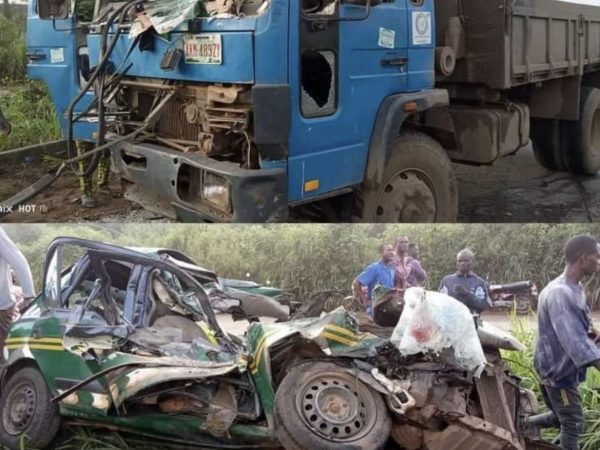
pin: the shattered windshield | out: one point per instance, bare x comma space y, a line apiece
166, 15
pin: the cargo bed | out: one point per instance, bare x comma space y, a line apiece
513, 43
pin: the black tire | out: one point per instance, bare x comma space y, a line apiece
27, 410
581, 151
546, 142
418, 185
360, 420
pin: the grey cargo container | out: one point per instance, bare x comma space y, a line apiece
519, 69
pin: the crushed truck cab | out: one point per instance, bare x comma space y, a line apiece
248, 109
337, 110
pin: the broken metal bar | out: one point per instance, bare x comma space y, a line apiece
27, 193
175, 145
167, 87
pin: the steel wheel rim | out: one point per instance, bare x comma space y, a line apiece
408, 196
336, 408
19, 409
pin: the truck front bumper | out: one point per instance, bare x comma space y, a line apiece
195, 188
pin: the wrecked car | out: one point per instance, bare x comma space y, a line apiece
225, 296
130, 342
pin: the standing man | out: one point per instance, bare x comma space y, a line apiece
465, 286
565, 346
378, 273
417, 276
12, 258
86, 183
400, 264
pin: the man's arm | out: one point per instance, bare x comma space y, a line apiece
443, 288
418, 270
568, 321
367, 277
15, 259
358, 290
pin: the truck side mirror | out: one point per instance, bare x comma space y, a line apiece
53, 9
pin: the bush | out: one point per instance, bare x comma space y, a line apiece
12, 51
30, 111
306, 258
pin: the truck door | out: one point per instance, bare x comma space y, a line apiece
57, 55
344, 59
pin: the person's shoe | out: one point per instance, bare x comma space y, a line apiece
88, 201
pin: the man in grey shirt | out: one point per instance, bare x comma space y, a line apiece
565, 346
465, 286
12, 258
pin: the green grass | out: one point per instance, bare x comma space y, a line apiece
81, 438
30, 111
12, 50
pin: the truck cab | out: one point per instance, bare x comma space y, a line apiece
251, 111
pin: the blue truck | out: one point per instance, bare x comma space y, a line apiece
337, 110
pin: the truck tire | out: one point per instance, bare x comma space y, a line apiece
582, 148
546, 143
320, 406
27, 411
418, 185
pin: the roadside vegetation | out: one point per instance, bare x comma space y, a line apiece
25, 104
308, 258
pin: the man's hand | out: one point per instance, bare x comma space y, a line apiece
24, 304
594, 334
459, 289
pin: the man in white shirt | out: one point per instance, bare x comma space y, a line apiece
12, 258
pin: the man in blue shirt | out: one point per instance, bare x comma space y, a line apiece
464, 285
565, 347
378, 273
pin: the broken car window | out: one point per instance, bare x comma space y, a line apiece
51, 285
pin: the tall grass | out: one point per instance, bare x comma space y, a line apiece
13, 64
30, 110
521, 363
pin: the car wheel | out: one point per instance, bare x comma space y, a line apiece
320, 406
28, 414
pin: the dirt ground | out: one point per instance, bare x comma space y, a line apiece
518, 189
61, 201
515, 189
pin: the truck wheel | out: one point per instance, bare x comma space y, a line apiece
27, 410
582, 149
320, 406
546, 143
418, 185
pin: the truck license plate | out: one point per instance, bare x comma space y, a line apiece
203, 49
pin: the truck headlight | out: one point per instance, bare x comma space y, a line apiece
215, 190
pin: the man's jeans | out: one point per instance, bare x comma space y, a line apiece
566, 413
